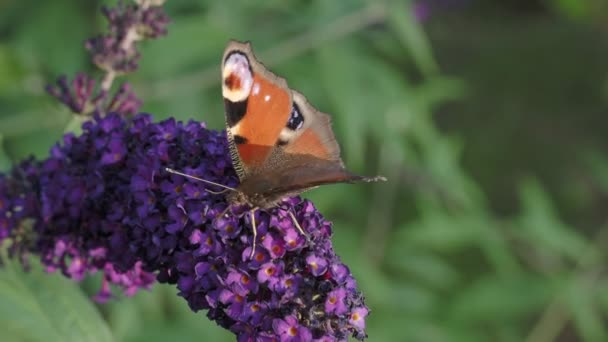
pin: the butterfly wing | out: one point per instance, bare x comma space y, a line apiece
309, 132
257, 105
280, 144
298, 172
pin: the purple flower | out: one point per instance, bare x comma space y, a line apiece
317, 265
325, 339
241, 282
114, 152
289, 330
270, 273
274, 246
124, 101
76, 94
288, 285
339, 272
116, 53
422, 10
254, 313
357, 318
234, 302
260, 257
102, 202
177, 219
227, 227
335, 302
293, 239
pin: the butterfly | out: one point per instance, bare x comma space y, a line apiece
280, 145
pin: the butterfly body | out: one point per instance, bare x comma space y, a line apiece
279, 143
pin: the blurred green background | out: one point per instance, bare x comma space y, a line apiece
488, 117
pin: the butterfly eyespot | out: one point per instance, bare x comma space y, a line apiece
232, 82
237, 77
296, 119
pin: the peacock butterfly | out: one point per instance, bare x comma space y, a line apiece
279, 143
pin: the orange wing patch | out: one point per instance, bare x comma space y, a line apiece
268, 109
308, 143
252, 154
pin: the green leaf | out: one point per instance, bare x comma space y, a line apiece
583, 303
573, 8
5, 162
597, 164
361, 88
424, 266
38, 44
36, 306
413, 37
494, 299
442, 232
540, 224
10, 69
75, 124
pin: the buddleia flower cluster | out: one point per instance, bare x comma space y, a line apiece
102, 202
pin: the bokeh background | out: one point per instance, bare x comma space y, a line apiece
488, 117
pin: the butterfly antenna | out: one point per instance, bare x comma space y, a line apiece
227, 188
375, 179
255, 231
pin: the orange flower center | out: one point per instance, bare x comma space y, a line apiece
292, 331
270, 271
245, 279
355, 316
332, 300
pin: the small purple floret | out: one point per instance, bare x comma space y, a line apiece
289, 330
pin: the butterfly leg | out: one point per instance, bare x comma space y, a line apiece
255, 230
225, 211
295, 222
